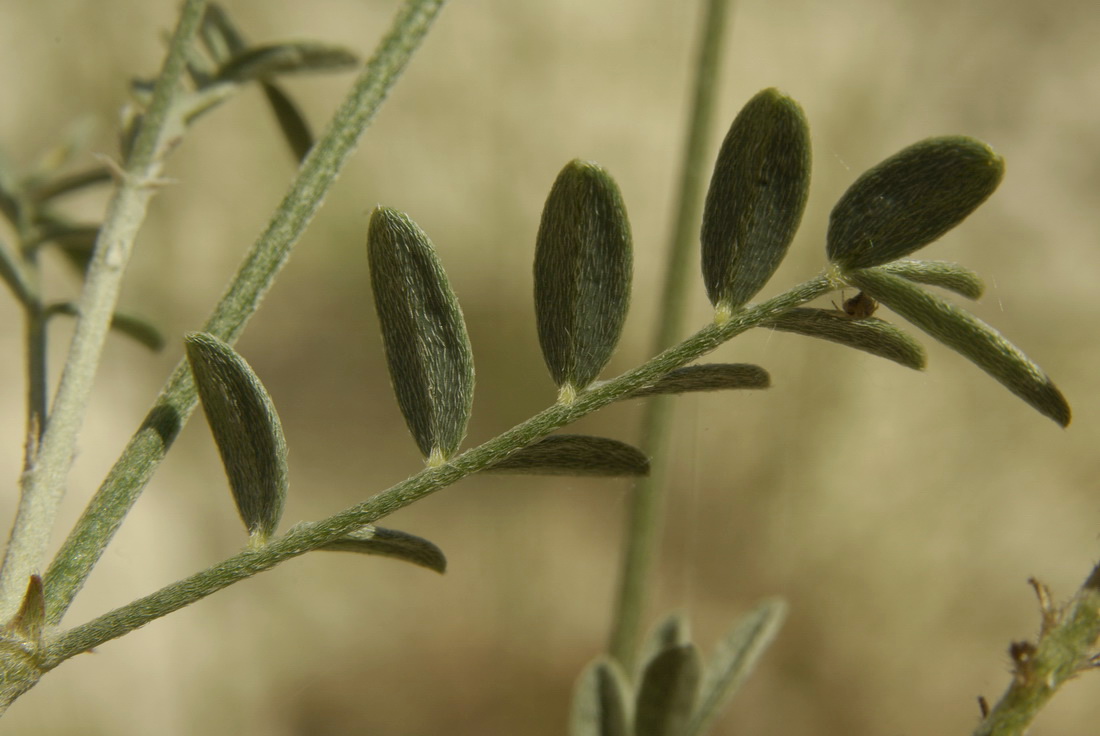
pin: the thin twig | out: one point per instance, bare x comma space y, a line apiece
316, 176
43, 484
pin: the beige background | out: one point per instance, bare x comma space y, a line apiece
899, 513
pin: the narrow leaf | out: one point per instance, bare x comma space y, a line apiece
583, 267
946, 275
372, 540
30, 620
707, 377
969, 336
262, 62
140, 330
666, 695
733, 661
910, 200
220, 35
246, 430
672, 631
76, 242
756, 198
56, 187
870, 335
601, 702
429, 355
576, 454
291, 121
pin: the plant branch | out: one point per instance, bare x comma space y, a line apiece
305, 537
643, 525
1067, 641
316, 176
43, 483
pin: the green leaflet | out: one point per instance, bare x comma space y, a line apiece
261, 62
137, 329
733, 661
372, 540
673, 630
667, 692
950, 276
246, 430
870, 335
291, 121
575, 454
428, 352
910, 200
707, 377
969, 336
583, 268
601, 702
757, 194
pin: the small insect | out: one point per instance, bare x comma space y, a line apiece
859, 306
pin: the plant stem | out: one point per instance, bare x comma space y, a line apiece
162, 424
43, 483
643, 525
1066, 643
305, 537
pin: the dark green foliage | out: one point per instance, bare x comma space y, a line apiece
291, 120
246, 430
137, 329
667, 692
429, 355
576, 454
910, 200
372, 540
969, 336
756, 198
601, 702
869, 335
707, 377
583, 268
950, 276
262, 62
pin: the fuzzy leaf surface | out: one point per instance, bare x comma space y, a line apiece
583, 268
601, 702
756, 198
666, 695
910, 200
373, 540
871, 335
946, 275
246, 430
427, 349
969, 336
576, 454
291, 121
733, 661
262, 62
674, 630
707, 377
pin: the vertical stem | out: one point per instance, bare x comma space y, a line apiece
43, 483
644, 520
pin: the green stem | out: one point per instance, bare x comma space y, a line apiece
43, 484
305, 537
316, 176
1067, 642
643, 524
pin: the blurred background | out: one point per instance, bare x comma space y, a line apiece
900, 513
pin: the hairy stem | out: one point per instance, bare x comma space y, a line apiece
1066, 644
643, 524
305, 537
43, 483
316, 176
